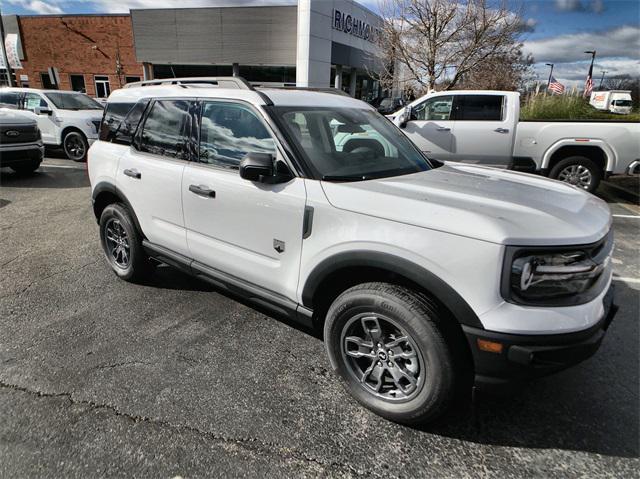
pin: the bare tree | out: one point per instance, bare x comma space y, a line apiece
511, 70
429, 42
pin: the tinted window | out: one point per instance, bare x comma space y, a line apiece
479, 108
113, 128
166, 128
229, 132
437, 108
9, 98
73, 101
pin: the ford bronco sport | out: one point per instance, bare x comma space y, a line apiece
423, 277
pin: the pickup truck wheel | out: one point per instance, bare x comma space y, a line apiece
75, 146
122, 243
578, 171
384, 342
26, 168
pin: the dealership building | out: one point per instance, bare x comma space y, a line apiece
314, 43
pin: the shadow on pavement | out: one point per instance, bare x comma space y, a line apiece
45, 178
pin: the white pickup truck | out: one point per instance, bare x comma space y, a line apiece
483, 127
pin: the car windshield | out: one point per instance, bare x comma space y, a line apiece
350, 144
73, 101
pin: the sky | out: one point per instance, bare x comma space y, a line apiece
560, 30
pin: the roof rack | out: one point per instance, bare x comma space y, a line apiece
221, 82
334, 91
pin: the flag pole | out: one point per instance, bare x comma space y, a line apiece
550, 74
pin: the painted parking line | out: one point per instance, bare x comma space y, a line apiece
625, 216
62, 166
624, 279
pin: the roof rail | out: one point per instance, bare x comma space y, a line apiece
221, 82
334, 91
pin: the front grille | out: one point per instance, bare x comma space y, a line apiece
18, 134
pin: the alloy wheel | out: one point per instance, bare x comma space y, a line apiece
382, 357
577, 175
74, 146
117, 242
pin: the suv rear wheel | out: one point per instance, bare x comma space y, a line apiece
75, 146
122, 243
385, 344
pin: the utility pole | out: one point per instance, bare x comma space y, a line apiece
602, 79
4, 54
550, 74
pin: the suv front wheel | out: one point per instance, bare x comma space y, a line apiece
385, 344
122, 243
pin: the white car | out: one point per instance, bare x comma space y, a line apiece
422, 278
66, 119
483, 127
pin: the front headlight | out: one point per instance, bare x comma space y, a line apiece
555, 277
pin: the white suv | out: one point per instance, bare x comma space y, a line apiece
66, 118
422, 278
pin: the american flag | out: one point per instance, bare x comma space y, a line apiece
588, 85
555, 86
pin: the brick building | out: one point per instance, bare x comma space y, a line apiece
91, 53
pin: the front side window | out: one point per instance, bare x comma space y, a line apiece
166, 129
350, 144
229, 131
479, 107
73, 101
33, 101
437, 108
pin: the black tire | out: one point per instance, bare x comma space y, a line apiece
26, 168
562, 171
417, 318
75, 145
116, 217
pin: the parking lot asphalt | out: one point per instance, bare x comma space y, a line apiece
99, 377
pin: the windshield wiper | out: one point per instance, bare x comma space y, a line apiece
345, 178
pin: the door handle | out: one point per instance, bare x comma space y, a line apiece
202, 191
501, 130
133, 173
443, 128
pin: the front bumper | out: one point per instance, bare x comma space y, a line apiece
523, 357
18, 154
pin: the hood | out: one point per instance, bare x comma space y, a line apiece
9, 116
488, 204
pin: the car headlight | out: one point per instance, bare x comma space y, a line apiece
554, 276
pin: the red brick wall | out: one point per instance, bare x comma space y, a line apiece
86, 45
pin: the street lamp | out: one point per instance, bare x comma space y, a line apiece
602, 79
550, 74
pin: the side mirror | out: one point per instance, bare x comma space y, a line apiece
405, 116
260, 167
42, 110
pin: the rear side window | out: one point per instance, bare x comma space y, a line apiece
120, 121
166, 129
479, 107
229, 131
11, 98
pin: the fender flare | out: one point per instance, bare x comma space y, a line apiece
105, 186
394, 264
592, 143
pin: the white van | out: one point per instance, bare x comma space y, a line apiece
615, 101
66, 118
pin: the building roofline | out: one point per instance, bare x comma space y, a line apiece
49, 15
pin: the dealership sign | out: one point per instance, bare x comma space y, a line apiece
11, 48
347, 23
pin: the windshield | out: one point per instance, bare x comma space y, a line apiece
350, 144
622, 102
73, 101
